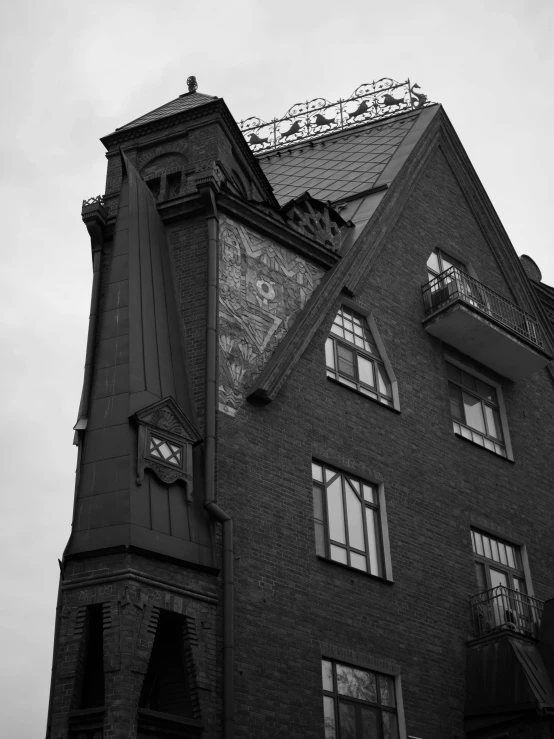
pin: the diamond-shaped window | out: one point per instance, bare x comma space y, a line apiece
165, 450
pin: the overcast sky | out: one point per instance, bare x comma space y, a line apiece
73, 71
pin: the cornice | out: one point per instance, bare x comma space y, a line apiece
277, 230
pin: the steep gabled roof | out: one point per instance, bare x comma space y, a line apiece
343, 164
184, 102
350, 273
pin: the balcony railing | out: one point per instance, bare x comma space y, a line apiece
453, 284
502, 609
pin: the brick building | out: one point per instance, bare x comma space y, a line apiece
312, 496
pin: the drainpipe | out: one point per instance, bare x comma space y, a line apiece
208, 182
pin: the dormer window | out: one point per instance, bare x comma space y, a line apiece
354, 359
165, 451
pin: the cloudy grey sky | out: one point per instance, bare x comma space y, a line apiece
73, 71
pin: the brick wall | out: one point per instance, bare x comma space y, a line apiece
436, 487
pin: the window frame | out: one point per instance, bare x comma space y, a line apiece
333, 373
506, 441
383, 555
378, 669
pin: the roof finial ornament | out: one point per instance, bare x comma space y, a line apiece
192, 84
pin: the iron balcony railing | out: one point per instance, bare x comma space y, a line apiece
501, 609
454, 284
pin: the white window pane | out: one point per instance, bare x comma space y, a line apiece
349, 336
330, 353
466, 433
489, 445
365, 369
510, 555
355, 484
474, 412
349, 383
384, 384
487, 547
336, 511
317, 472
358, 561
338, 554
502, 553
337, 330
433, 262
329, 714
355, 522
327, 674
369, 493
373, 540
478, 543
493, 422
359, 341
494, 550
478, 439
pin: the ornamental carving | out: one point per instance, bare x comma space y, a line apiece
263, 286
165, 441
317, 117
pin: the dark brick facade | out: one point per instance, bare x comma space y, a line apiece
291, 607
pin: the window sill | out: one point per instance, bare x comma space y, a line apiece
383, 580
484, 448
362, 395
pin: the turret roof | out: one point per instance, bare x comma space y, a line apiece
184, 102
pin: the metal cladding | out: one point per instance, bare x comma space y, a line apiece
140, 365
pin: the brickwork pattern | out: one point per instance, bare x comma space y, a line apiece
131, 608
436, 487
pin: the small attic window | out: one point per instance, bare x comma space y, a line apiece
154, 186
166, 451
174, 185
355, 357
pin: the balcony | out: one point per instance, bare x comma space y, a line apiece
479, 322
503, 609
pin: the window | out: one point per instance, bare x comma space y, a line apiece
358, 703
154, 186
439, 262
503, 600
347, 520
352, 357
165, 451
475, 409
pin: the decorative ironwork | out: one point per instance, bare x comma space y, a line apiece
317, 117
192, 84
504, 609
454, 284
92, 201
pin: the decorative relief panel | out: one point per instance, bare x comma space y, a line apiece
263, 286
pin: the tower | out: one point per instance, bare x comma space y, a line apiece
264, 542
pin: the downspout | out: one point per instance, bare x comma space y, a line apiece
208, 183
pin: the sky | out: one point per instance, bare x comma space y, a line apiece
74, 71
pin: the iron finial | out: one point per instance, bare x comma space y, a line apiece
192, 84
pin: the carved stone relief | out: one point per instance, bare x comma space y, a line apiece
263, 286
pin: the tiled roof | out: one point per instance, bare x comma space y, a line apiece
338, 166
183, 102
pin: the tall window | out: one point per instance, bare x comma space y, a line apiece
358, 704
352, 357
503, 601
475, 409
347, 520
